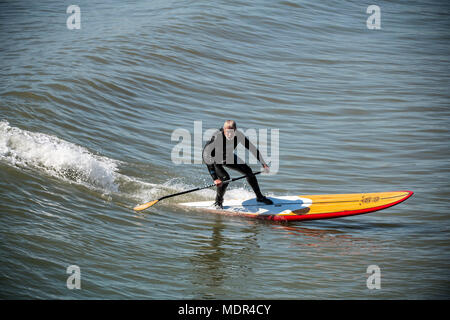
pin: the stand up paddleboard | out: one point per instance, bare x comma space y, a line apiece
296, 208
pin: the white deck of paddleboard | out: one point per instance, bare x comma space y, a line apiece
282, 205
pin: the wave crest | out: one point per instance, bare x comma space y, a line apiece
56, 157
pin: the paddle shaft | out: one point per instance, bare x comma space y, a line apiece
205, 187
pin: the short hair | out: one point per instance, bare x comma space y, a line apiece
230, 124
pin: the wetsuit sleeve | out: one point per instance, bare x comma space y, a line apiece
252, 148
212, 171
208, 156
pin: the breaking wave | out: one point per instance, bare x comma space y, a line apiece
56, 157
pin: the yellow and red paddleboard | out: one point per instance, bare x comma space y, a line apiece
295, 208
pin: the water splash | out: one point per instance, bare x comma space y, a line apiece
56, 157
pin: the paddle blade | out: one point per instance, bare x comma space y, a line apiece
145, 205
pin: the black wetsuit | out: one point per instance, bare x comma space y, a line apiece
219, 153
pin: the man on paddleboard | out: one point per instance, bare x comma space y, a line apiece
219, 153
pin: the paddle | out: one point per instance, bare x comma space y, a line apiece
151, 203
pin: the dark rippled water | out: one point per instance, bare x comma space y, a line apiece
86, 124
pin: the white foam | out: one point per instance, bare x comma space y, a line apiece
56, 157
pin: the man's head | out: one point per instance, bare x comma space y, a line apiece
229, 129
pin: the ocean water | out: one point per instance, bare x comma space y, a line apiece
88, 129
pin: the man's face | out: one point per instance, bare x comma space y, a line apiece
229, 133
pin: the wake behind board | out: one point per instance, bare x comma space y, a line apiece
296, 208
